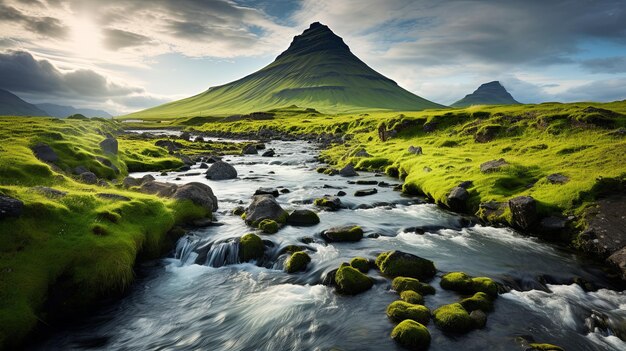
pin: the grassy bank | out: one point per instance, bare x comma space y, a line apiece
72, 245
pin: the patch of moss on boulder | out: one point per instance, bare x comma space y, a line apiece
268, 226
411, 296
480, 301
250, 247
411, 335
401, 310
545, 347
351, 281
297, 262
463, 283
401, 284
360, 263
344, 233
331, 203
453, 318
402, 264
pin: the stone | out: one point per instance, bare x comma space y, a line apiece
453, 318
411, 335
303, 218
351, 281
365, 192
251, 247
267, 191
199, 193
343, 234
618, 261
269, 153
88, 178
479, 318
297, 262
264, 207
400, 310
221, 170
158, 188
45, 153
457, 199
557, 178
415, 150
402, 264
401, 284
203, 165
185, 135
524, 212
109, 145
10, 207
360, 263
348, 171
341, 193
249, 150
331, 203
493, 166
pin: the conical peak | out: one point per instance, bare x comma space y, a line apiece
317, 37
491, 85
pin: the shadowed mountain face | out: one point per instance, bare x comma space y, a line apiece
318, 70
12, 105
62, 111
492, 93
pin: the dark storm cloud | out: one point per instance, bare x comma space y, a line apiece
115, 39
20, 72
616, 64
44, 26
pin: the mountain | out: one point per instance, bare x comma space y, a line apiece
492, 93
12, 105
318, 71
61, 111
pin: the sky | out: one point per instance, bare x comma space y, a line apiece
124, 56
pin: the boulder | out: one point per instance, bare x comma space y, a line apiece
45, 153
348, 171
493, 166
199, 193
411, 296
303, 218
557, 178
343, 234
365, 192
249, 150
268, 226
351, 282
269, 153
221, 170
453, 318
250, 247
463, 283
360, 263
297, 262
88, 178
267, 191
10, 207
401, 284
411, 335
401, 264
415, 150
523, 212
158, 188
238, 211
130, 181
331, 203
479, 301
109, 145
399, 310
341, 193
479, 318
264, 207
171, 146
203, 165
457, 199
618, 261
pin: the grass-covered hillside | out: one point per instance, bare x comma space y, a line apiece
73, 241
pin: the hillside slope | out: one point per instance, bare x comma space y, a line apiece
12, 105
62, 111
318, 71
492, 93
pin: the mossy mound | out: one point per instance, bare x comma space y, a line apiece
402, 264
297, 262
351, 281
250, 247
463, 283
268, 226
360, 263
480, 301
401, 310
401, 284
545, 347
453, 318
345, 233
411, 335
411, 296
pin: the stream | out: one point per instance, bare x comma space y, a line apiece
201, 298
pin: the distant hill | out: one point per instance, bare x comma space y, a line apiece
12, 105
61, 111
492, 93
318, 71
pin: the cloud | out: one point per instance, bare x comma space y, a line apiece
115, 39
43, 26
600, 90
615, 64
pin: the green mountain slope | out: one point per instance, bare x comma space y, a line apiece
12, 105
492, 93
316, 71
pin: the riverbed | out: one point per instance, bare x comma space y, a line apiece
201, 298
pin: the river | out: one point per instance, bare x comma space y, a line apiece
201, 299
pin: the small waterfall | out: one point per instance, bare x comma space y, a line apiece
185, 250
222, 254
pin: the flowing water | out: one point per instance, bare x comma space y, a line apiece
202, 298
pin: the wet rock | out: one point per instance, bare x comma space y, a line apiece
45, 153
213, 159
415, 150
557, 178
523, 212
411, 335
341, 193
402, 264
184, 168
260, 146
373, 236
343, 234
348, 171
202, 222
109, 145
453, 318
479, 301
457, 199
285, 191
364, 207
249, 150
10, 207
465, 284
269, 153
269, 226
221, 171
400, 284
186, 159
185, 135
399, 310
203, 165
113, 197
361, 263
251, 247
267, 191
479, 318
238, 211
88, 178
351, 282
303, 218
329, 278
493, 166
264, 207
297, 262
365, 192
331, 203
199, 193
554, 224
618, 261
366, 182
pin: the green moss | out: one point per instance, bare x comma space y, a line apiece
400, 264
268, 226
463, 283
480, 301
360, 263
453, 318
297, 262
250, 247
340, 234
401, 310
411, 296
401, 284
545, 347
411, 335
373, 163
351, 281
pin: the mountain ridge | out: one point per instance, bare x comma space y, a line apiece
13, 105
492, 93
62, 111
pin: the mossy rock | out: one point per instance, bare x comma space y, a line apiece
238, 211
360, 263
297, 262
453, 318
480, 301
402, 264
351, 281
345, 233
463, 283
268, 226
545, 347
401, 284
303, 218
331, 203
250, 247
401, 310
411, 296
411, 335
